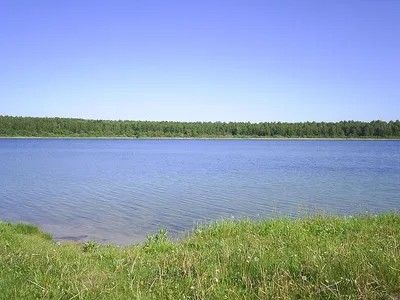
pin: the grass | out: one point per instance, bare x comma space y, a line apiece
316, 257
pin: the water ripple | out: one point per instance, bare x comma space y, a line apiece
121, 191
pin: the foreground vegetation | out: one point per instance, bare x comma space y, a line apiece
67, 127
314, 257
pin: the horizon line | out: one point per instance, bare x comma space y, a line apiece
198, 121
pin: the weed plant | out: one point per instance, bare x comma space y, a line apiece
317, 257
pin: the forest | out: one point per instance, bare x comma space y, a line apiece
11, 126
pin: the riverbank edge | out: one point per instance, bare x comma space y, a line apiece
196, 138
311, 257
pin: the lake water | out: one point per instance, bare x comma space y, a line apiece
119, 191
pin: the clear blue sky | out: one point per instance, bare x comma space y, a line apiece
201, 60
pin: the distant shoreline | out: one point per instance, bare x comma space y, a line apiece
34, 127
194, 138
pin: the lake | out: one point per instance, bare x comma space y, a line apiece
120, 191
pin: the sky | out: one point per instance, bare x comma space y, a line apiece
201, 60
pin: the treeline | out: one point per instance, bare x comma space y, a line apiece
69, 127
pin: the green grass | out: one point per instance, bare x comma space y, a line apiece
314, 257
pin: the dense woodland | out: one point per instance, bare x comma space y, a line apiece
68, 127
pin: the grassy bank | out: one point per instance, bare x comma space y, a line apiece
315, 257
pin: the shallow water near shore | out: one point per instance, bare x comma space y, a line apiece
120, 191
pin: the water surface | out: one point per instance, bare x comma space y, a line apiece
119, 191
